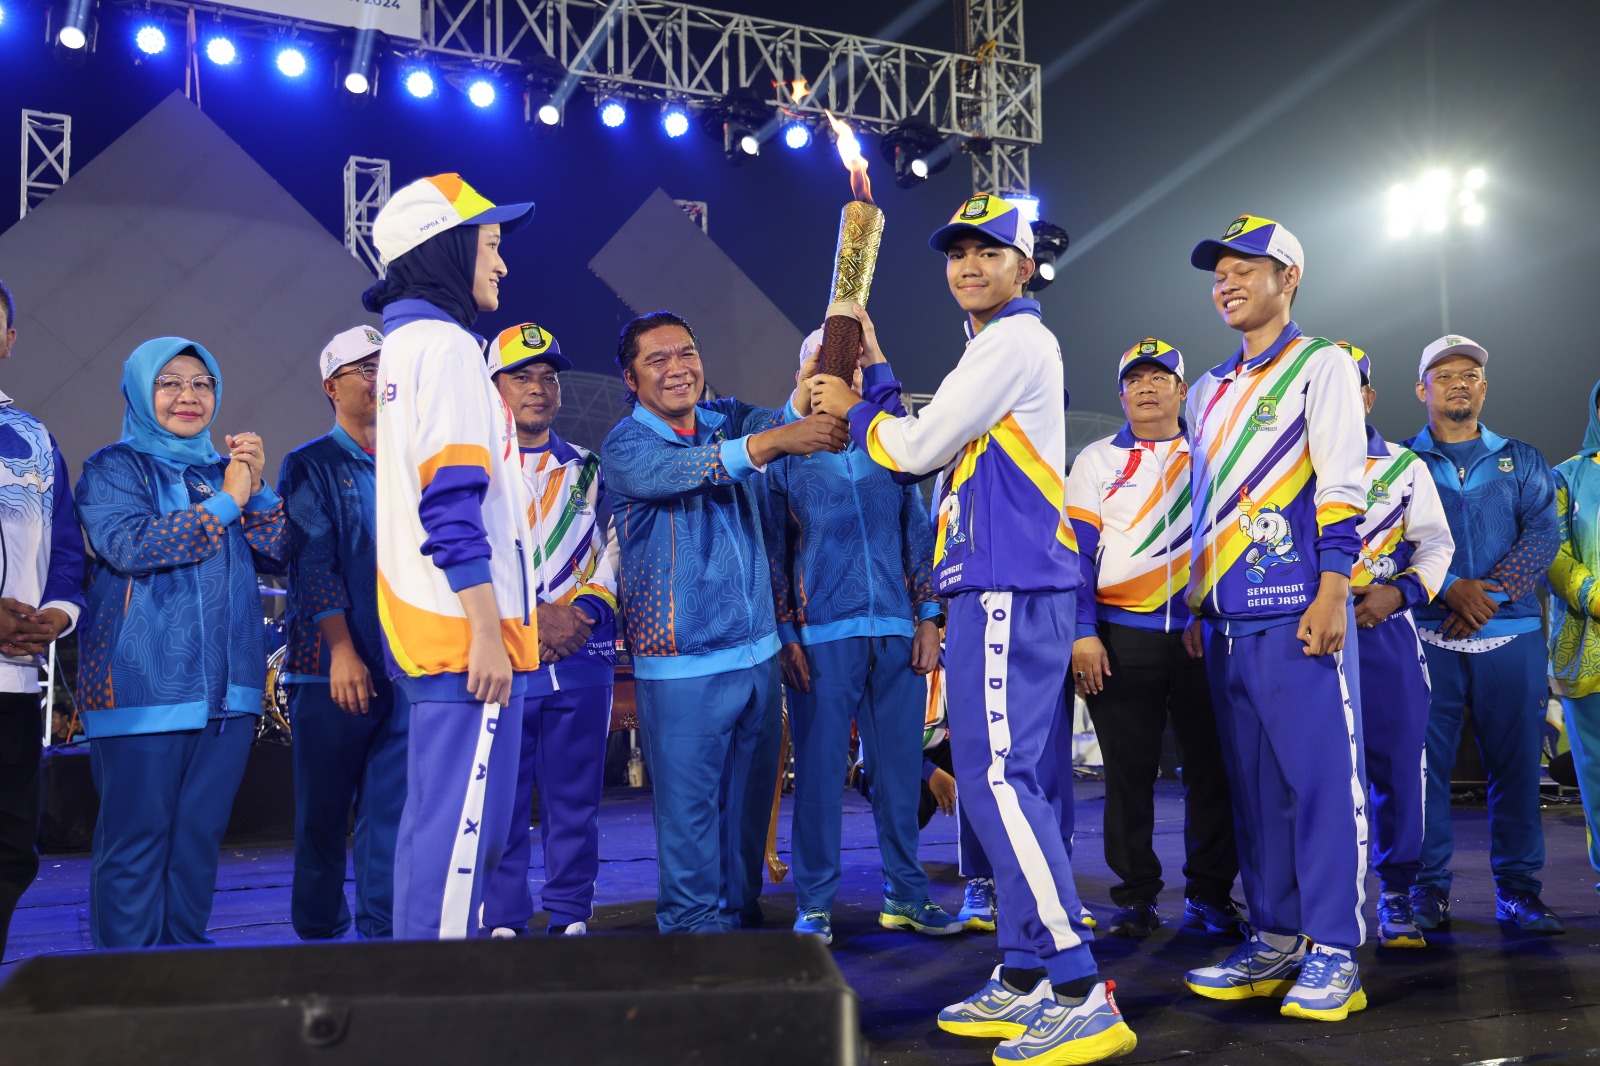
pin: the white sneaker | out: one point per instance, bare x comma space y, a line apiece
574, 929
503, 933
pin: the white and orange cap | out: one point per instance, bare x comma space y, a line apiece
429, 206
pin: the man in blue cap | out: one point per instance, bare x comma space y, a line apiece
1005, 559
566, 714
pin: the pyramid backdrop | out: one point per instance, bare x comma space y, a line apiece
174, 230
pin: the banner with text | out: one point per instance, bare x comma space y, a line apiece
397, 18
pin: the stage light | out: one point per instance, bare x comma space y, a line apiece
675, 120
356, 83
739, 143
481, 92
419, 83
740, 117
357, 69
221, 51
613, 112
1049, 242
548, 114
291, 62
1475, 178
1473, 214
150, 40
913, 148
797, 135
72, 37
1434, 201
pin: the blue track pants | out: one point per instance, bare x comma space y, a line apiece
1394, 722
1506, 690
164, 805
1008, 656
461, 779
711, 745
343, 761
870, 680
563, 756
1290, 727
1583, 735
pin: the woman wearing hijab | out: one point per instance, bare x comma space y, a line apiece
454, 592
171, 658
1575, 609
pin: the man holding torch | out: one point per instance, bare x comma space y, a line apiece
1004, 557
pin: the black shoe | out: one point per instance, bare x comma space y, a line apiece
1136, 920
1218, 919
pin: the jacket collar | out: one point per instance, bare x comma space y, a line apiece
704, 419
1377, 447
1236, 362
401, 312
559, 450
348, 443
1127, 441
1019, 305
1424, 442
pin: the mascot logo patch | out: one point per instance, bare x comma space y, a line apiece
1271, 537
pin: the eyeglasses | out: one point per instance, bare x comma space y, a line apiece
369, 371
172, 385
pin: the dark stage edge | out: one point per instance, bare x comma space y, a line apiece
1479, 992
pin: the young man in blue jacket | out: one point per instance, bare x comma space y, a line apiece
696, 596
852, 573
349, 718
1482, 634
41, 595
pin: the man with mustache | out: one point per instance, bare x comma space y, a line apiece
1482, 634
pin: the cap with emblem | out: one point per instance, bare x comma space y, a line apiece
987, 215
1450, 344
351, 346
1363, 363
1151, 350
429, 206
527, 343
1250, 235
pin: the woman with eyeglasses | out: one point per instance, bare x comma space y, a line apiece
171, 659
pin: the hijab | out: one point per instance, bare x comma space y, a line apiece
440, 270
1591, 436
140, 429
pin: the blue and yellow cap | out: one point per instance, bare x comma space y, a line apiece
527, 343
989, 215
1250, 235
1151, 350
1363, 362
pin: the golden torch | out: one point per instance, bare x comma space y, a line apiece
860, 232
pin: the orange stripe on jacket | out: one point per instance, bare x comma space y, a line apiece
454, 455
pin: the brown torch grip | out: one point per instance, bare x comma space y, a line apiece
841, 347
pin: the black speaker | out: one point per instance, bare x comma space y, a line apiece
769, 998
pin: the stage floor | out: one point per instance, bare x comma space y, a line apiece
1480, 992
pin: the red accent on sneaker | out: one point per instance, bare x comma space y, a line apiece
1111, 986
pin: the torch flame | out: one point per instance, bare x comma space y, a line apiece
799, 89
1247, 505
850, 152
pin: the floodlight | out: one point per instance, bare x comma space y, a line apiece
797, 135
291, 62
150, 40
481, 92
613, 112
1049, 242
419, 83
912, 148
675, 120
220, 50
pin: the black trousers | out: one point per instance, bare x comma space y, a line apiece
1152, 677
21, 732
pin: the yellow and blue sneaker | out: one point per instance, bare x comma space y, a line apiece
1092, 1031
818, 923
995, 1010
1329, 987
978, 905
1255, 968
1397, 922
920, 915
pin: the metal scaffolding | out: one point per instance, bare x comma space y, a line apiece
984, 97
366, 190
46, 156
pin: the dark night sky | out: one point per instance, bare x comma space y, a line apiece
1181, 116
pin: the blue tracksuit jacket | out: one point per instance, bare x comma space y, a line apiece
696, 586
329, 489
1504, 522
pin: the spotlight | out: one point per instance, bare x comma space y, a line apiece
545, 93
797, 135
419, 83
291, 62
481, 92
675, 120
358, 70
739, 117
1027, 206
613, 112
1048, 243
72, 37
221, 51
912, 148
150, 40
548, 114
1473, 215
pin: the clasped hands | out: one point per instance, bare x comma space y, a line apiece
26, 630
